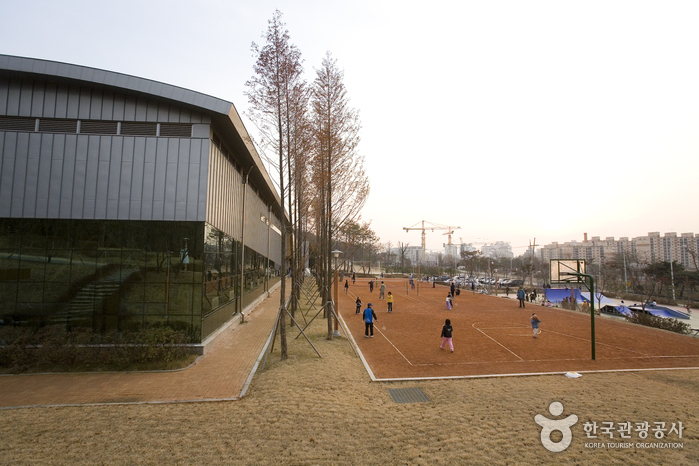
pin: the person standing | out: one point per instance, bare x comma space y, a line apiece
452, 288
369, 318
359, 306
446, 335
389, 300
520, 296
354, 277
346, 286
449, 303
535, 324
371, 286
382, 291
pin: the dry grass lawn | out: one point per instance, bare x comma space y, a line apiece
326, 411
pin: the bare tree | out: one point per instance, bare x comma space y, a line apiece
272, 94
341, 183
402, 251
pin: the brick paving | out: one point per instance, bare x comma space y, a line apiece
221, 374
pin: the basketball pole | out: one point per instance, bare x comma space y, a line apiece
592, 312
591, 288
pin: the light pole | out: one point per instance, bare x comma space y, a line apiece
672, 274
623, 253
336, 333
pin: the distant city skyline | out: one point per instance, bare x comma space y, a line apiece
510, 119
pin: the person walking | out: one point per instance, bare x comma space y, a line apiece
369, 318
346, 286
359, 306
449, 303
371, 286
452, 288
446, 335
520, 296
389, 300
382, 291
354, 277
535, 324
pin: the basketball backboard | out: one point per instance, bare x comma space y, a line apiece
566, 270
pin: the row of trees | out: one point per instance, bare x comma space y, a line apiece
627, 275
313, 133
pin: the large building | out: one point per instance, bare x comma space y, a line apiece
126, 202
651, 248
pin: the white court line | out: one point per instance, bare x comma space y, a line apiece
394, 346
474, 326
570, 336
527, 374
552, 360
599, 343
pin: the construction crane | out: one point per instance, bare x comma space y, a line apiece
432, 227
450, 232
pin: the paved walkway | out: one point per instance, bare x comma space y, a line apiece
221, 374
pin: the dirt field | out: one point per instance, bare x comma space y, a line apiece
492, 335
311, 410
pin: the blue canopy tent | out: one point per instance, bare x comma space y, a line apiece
621, 310
557, 295
660, 311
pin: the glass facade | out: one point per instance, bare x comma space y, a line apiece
111, 274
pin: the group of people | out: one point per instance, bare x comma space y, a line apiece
369, 315
523, 296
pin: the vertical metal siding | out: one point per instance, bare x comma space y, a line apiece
61, 102
31, 176
78, 197
148, 181
224, 195
139, 157
84, 103
73, 106
126, 179
115, 177
25, 98
49, 109
4, 89
7, 167
69, 156
47, 175
37, 100
19, 175
13, 97
44, 176
56, 175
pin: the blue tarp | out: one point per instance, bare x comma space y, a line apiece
556, 295
660, 311
623, 310
600, 300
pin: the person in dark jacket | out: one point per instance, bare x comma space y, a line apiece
446, 335
520, 296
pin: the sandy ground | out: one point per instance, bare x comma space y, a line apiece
311, 410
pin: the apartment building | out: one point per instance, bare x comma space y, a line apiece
650, 248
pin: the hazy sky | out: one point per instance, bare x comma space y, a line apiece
511, 119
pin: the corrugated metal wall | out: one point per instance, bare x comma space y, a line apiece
49, 175
224, 210
81, 176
